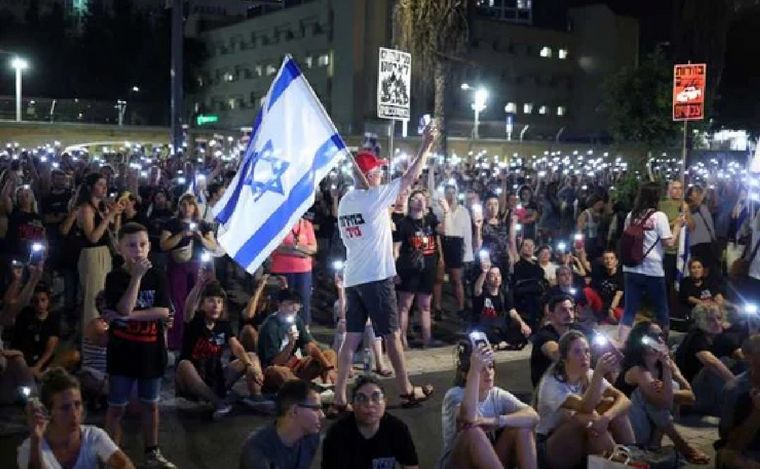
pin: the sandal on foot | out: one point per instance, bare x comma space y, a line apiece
384, 373
696, 456
412, 400
336, 410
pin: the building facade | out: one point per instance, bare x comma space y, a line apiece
548, 80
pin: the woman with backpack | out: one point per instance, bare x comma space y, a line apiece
641, 250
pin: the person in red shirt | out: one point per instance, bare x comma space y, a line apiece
292, 260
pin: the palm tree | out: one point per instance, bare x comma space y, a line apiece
434, 31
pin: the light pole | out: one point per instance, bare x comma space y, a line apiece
18, 64
478, 105
121, 107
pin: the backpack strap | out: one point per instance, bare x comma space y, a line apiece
644, 220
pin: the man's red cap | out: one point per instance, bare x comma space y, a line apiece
367, 161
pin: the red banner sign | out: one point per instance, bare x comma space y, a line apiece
689, 92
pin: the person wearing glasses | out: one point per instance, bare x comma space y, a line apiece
292, 440
369, 437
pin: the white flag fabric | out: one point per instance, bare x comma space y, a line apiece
294, 144
682, 259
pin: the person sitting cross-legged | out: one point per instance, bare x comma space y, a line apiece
200, 372
484, 426
494, 312
368, 437
280, 336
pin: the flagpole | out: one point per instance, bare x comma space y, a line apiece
357, 170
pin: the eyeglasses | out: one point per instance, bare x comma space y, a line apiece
363, 399
310, 406
656, 335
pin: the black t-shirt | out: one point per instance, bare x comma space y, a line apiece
418, 235
686, 355
487, 307
606, 285
204, 347
344, 446
30, 335
56, 203
730, 340
705, 291
24, 229
175, 226
155, 224
137, 349
577, 293
539, 362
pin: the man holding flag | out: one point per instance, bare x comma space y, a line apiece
365, 228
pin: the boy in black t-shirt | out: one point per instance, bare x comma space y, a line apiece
369, 437
138, 306
37, 331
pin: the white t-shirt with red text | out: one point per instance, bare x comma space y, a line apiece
365, 228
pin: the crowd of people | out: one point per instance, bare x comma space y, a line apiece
113, 278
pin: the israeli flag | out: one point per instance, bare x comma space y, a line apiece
682, 259
294, 144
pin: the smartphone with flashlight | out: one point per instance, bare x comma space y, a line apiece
578, 241
26, 397
479, 339
484, 256
37, 253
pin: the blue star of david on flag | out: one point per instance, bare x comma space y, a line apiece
276, 169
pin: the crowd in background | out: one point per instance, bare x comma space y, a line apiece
110, 260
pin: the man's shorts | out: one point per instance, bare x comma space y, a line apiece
374, 300
453, 251
120, 389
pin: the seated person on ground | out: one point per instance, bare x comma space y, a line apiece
567, 285
280, 336
93, 373
560, 319
580, 412
729, 344
695, 357
57, 436
37, 331
655, 386
255, 312
739, 444
200, 372
484, 425
605, 295
368, 437
14, 374
698, 287
528, 284
292, 440
493, 312
18, 295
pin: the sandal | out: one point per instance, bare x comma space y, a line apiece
411, 399
386, 373
336, 410
696, 456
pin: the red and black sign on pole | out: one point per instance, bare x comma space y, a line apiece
689, 92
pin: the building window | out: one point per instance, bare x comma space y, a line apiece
271, 70
324, 60
229, 77
562, 54
546, 52
542, 110
511, 108
259, 70
308, 61
561, 110
231, 103
528, 108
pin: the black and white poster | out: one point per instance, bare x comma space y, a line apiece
394, 80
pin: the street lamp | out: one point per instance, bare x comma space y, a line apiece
478, 105
18, 64
121, 107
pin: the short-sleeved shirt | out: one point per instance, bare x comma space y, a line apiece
302, 233
497, 402
552, 393
24, 229
175, 226
736, 408
204, 347
686, 354
731, 340
345, 446
265, 450
539, 362
418, 235
31, 335
365, 228
672, 210
96, 447
137, 349
607, 285
707, 290
656, 229
704, 229
156, 221
273, 337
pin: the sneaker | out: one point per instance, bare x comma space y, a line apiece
260, 404
221, 411
156, 460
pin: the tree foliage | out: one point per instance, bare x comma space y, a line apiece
639, 103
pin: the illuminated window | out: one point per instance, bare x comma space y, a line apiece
562, 54
308, 61
511, 108
271, 70
259, 70
528, 108
546, 52
561, 110
324, 60
229, 77
542, 110
232, 103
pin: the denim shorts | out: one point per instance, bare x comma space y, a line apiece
120, 389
